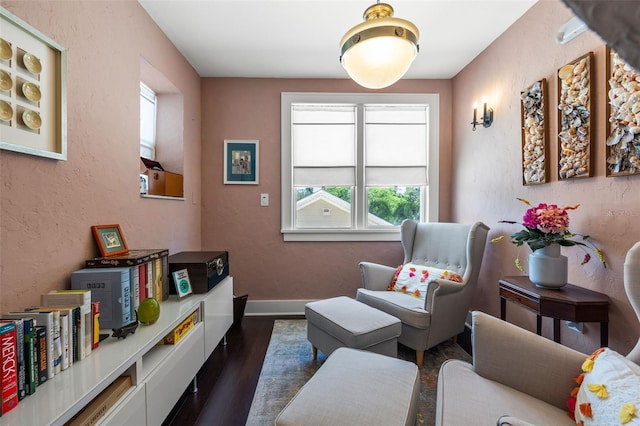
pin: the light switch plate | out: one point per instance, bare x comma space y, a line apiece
264, 200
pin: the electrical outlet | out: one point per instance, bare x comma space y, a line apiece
264, 200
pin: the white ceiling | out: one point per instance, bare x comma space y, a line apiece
300, 38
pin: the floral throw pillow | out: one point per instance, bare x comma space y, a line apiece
412, 279
608, 392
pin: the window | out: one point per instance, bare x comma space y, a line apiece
147, 122
355, 165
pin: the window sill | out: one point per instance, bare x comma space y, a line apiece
347, 235
162, 197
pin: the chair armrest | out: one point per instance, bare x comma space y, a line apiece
376, 276
512, 421
440, 288
523, 360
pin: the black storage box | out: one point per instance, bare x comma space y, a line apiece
205, 268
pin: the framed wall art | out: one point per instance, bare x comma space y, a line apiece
241, 162
33, 116
109, 239
623, 117
575, 121
535, 131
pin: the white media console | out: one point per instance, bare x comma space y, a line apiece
159, 373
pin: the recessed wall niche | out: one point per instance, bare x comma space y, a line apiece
169, 118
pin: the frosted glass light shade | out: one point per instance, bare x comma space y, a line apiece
378, 52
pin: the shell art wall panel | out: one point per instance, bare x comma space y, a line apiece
623, 117
535, 140
575, 121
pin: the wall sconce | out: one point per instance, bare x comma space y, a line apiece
487, 116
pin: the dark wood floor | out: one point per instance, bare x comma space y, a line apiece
227, 381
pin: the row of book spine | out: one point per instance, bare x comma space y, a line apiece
42, 341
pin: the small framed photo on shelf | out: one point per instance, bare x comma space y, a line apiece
109, 239
240, 162
182, 283
535, 140
623, 120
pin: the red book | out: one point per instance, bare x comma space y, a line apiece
8, 366
142, 280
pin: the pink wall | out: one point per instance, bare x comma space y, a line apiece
47, 207
262, 264
487, 171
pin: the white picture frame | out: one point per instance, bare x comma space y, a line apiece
33, 104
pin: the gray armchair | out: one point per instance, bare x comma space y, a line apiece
441, 315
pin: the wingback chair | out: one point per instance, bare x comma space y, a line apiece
457, 248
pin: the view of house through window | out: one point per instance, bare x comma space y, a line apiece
359, 164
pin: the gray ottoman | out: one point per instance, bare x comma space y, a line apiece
342, 321
356, 388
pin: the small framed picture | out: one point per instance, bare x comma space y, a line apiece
181, 280
241, 162
109, 239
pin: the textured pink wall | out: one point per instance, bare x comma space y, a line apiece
47, 207
262, 264
487, 170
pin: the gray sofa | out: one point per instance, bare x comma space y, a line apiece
514, 373
518, 377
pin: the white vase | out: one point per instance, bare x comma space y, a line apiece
548, 268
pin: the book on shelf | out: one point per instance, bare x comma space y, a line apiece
30, 355
67, 357
75, 325
95, 313
8, 366
142, 281
157, 278
22, 374
101, 404
44, 319
150, 289
57, 340
72, 298
135, 288
111, 287
42, 353
131, 258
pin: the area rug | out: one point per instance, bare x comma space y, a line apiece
289, 363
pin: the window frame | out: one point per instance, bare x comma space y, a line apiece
288, 200
151, 96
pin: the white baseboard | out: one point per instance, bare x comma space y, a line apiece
275, 307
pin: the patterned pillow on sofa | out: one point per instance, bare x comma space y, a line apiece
412, 279
609, 392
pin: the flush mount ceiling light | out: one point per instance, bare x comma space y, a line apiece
378, 52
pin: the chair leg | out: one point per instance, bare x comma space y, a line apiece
419, 358
315, 353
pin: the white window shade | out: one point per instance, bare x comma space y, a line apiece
324, 176
396, 146
323, 145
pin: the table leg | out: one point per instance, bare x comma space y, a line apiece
539, 325
503, 308
604, 334
556, 330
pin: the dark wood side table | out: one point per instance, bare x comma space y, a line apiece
570, 303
